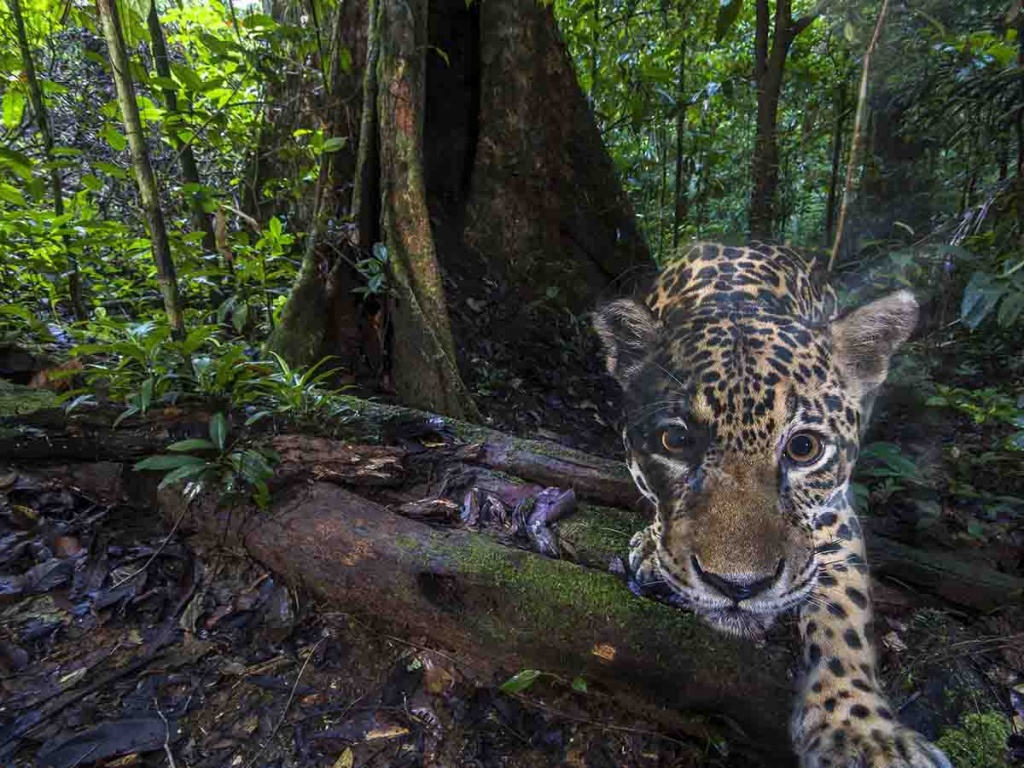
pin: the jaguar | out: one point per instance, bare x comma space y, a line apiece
746, 392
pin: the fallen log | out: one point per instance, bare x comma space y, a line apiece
405, 452
468, 594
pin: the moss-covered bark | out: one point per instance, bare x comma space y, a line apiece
425, 369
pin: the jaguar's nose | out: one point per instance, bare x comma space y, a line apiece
737, 587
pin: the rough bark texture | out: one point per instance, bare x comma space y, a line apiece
41, 116
144, 177
425, 368
323, 286
543, 190
508, 185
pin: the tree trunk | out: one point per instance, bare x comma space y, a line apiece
513, 204
43, 124
323, 286
425, 368
189, 168
838, 132
769, 71
469, 595
144, 177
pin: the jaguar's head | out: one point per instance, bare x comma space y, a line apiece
742, 427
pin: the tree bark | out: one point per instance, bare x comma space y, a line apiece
425, 368
323, 287
858, 136
43, 124
144, 177
189, 168
769, 71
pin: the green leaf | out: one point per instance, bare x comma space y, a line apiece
1010, 308
193, 444
181, 473
187, 77
12, 195
20, 164
240, 315
219, 430
13, 106
520, 681
334, 144
980, 297
579, 685
728, 12
111, 170
114, 138
166, 461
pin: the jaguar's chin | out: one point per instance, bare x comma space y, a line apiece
736, 621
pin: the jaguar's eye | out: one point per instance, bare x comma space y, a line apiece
804, 448
674, 439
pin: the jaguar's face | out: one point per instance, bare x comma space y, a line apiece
742, 428
742, 466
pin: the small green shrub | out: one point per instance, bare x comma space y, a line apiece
980, 743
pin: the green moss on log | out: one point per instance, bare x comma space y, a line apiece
16, 400
595, 533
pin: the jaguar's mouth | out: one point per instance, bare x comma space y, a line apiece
734, 620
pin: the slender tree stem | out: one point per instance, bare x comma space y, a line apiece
144, 176
43, 124
857, 140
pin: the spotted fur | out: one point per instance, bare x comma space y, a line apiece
739, 364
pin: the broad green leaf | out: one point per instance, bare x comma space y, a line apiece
187, 77
20, 164
520, 681
980, 298
13, 106
12, 195
728, 12
114, 138
182, 473
1010, 308
579, 685
219, 430
166, 461
111, 170
334, 144
193, 444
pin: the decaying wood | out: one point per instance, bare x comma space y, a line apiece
468, 594
408, 453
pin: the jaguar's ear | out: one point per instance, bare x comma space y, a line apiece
865, 339
627, 330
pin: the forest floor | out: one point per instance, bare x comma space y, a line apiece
132, 647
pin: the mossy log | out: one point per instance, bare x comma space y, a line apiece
468, 594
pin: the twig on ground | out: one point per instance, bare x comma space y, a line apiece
167, 735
